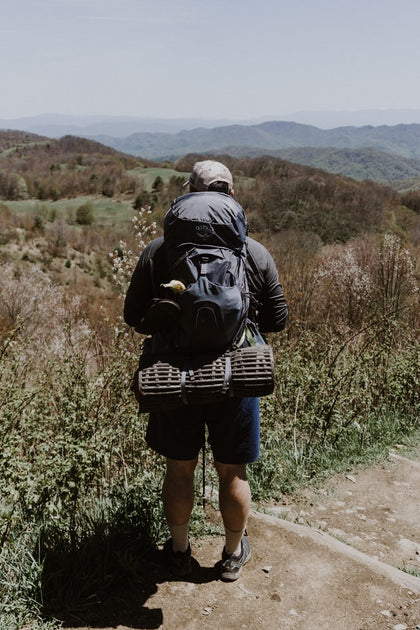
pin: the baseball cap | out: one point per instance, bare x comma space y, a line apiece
207, 172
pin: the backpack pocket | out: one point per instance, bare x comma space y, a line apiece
210, 316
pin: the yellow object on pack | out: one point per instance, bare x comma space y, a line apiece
175, 285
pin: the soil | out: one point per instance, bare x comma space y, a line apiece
329, 559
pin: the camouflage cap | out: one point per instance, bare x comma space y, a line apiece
207, 172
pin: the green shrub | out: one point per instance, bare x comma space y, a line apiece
84, 214
78, 487
336, 403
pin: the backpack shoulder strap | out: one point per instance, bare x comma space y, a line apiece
254, 269
252, 263
158, 267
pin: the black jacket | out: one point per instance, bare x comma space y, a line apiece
268, 304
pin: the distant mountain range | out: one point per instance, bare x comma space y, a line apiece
359, 118
402, 140
383, 153
57, 125
358, 164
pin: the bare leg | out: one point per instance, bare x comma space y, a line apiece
178, 499
234, 502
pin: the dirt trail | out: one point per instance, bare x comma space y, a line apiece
332, 561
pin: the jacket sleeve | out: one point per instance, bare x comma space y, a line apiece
266, 291
141, 290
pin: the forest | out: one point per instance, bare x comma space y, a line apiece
79, 489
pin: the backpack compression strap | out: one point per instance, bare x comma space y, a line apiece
188, 375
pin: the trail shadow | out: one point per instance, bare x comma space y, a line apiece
117, 599
100, 587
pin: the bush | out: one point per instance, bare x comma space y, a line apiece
337, 401
79, 489
84, 214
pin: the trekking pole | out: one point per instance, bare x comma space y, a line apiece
204, 476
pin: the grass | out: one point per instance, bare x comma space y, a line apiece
149, 174
52, 572
114, 539
411, 570
285, 466
106, 211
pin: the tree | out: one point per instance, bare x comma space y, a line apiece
143, 200
157, 185
84, 214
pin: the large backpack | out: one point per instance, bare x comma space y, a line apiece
210, 350
205, 239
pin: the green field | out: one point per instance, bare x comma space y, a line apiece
148, 175
106, 211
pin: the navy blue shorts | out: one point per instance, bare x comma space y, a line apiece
233, 431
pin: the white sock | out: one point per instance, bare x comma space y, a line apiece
179, 534
233, 541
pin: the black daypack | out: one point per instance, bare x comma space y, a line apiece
205, 239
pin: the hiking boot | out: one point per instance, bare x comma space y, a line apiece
232, 565
179, 562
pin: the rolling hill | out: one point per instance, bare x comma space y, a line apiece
279, 194
402, 140
359, 164
385, 154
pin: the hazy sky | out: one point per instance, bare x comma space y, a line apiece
215, 58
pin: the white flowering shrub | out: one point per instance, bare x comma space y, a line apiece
39, 319
343, 284
124, 260
394, 272
363, 280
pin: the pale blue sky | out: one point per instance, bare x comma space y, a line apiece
207, 58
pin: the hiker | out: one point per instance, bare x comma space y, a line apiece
233, 424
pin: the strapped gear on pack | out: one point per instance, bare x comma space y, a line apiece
165, 380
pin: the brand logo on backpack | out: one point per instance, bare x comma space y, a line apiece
204, 231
